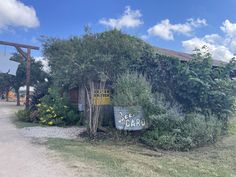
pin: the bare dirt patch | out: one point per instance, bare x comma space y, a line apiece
21, 158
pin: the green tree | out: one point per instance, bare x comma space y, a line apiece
197, 85
36, 74
6, 82
91, 61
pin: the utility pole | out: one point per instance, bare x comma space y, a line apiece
26, 56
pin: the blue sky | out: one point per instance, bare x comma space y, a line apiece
179, 25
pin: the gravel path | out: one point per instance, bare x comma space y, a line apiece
20, 158
52, 132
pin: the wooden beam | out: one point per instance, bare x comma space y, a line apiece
24, 55
19, 45
27, 58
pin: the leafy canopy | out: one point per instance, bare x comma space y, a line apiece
97, 57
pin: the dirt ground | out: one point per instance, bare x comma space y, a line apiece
21, 158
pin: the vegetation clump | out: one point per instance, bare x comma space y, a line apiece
51, 109
206, 98
172, 129
131, 89
205, 93
54, 110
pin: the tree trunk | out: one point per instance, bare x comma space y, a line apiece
17, 97
89, 112
93, 109
7, 93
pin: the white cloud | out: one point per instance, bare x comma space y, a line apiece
129, 19
233, 45
218, 51
229, 28
190, 45
198, 22
222, 47
213, 39
44, 62
14, 13
222, 53
144, 37
166, 30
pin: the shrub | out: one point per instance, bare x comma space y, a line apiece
34, 116
174, 130
201, 129
54, 110
48, 115
132, 89
41, 89
169, 119
197, 84
182, 134
28, 115
23, 115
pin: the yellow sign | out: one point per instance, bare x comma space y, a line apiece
102, 97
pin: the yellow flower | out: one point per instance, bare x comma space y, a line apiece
50, 123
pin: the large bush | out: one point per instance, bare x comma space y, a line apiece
23, 115
174, 130
40, 90
28, 115
55, 110
197, 85
131, 89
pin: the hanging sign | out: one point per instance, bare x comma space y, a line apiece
101, 97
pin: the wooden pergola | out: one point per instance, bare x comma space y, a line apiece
26, 55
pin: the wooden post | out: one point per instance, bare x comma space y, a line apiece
27, 102
26, 56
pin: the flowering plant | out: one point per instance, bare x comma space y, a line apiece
54, 110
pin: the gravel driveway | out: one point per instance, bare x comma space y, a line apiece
52, 132
20, 158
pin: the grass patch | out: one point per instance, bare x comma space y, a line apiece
119, 159
232, 128
20, 124
89, 154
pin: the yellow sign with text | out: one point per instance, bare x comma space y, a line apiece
102, 97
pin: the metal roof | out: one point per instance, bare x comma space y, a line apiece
183, 56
